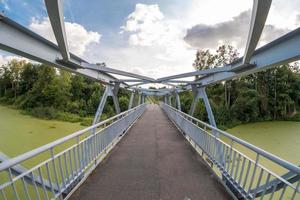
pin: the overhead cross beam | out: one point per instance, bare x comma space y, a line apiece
56, 16
259, 16
190, 74
115, 71
281, 51
55, 13
19, 40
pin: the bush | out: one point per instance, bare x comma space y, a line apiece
86, 121
42, 112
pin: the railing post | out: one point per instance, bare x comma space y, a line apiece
195, 100
142, 99
115, 97
131, 100
178, 100
139, 101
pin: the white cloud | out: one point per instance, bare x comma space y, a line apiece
145, 25
6, 59
79, 39
212, 11
155, 43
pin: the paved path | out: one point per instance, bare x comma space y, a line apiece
152, 162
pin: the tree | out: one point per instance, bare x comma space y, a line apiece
204, 60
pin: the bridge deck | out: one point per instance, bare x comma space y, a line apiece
153, 161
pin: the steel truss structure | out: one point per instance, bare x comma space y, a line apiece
19, 40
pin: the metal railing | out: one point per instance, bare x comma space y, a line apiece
248, 171
55, 170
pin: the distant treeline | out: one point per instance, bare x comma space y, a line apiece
46, 92
49, 93
269, 95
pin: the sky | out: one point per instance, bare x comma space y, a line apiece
152, 38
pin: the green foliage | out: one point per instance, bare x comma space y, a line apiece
124, 102
268, 95
48, 93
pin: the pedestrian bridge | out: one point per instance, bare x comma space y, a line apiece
148, 152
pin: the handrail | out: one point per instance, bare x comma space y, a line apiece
247, 178
25, 156
262, 152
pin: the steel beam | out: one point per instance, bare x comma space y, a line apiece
19, 40
131, 100
178, 100
111, 91
31, 179
259, 16
115, 71
191, 74
177, 81
149, 82
55, 12
56, 16
281, 51
131, 80
102, 104
115, 98
201, 93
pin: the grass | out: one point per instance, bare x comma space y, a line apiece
20, 133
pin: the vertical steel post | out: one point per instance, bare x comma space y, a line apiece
101, 104
210, 114
143, 98
195, 100
131, 100
178, 100
115, 97
201, 93
109, 91
139, 102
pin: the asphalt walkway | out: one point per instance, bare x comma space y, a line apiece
152, 162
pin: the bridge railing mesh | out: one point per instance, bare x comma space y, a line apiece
248, 171
58, 168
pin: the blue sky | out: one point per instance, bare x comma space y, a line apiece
154, 38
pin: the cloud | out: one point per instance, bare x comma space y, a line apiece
6, 59
297, 20
79, 39
156, 36
155, 45
232, 32
145, 25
